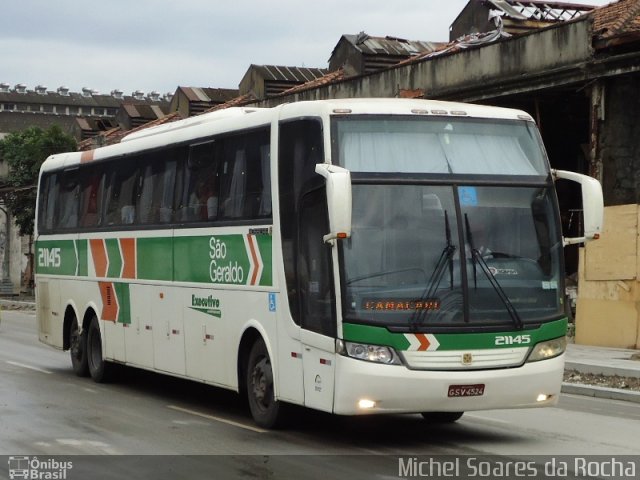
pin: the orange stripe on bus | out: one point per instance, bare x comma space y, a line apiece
99, 255
128, 247
424, 342
109, 301
87, 156
256, 266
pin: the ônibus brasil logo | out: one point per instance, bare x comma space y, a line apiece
35, 469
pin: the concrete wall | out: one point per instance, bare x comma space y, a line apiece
542, 59
619, 141
17, 259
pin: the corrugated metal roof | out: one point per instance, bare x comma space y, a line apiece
394, 46
330, 77
541, 10
289, 74
209, 95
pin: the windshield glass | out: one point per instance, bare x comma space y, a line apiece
412, 260
439, 145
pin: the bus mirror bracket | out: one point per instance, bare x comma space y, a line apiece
338, 181
592, 205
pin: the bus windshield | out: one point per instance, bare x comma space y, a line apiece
439, 145
413, 262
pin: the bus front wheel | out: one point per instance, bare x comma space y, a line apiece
99, 369
78, 349
265, 409
442, 417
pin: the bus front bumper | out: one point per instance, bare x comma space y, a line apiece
367, 388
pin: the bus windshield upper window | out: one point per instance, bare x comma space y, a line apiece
437, 145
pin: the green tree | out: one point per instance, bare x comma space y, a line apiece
24, 152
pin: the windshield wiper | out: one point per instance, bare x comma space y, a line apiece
477, 259
417, 317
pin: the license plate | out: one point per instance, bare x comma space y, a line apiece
466, 390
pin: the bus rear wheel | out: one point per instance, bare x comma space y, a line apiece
442, 417
99, 369
265, 409
78, 349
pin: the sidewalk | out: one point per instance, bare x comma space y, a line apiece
581, 358
602, 361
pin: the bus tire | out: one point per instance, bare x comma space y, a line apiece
78, 349
265, 409
99, 369
442, 417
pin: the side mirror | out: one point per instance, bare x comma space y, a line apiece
338, 182
592, 205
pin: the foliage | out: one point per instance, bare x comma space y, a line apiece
24, 152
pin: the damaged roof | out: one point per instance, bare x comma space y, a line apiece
394, 46
617, 20
544, 11
115, 135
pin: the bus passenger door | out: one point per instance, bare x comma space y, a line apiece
317, 305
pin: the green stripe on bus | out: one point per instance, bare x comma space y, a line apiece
115, 258
155, 258
233, 259
457, 341
56, 257
82, 246
124, 303
265, 245
374, 335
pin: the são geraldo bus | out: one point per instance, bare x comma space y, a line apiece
352, 256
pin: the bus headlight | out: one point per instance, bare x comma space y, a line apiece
548, 349
368, 353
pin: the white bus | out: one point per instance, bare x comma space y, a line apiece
352, 256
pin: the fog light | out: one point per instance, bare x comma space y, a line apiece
542, 397
366, 404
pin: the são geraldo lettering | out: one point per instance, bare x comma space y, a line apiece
221, 270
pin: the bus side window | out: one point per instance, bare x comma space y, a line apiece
164, 197
155, 197
258, 184
199, 195
246, 176
91, 198
234, 178
49, 193
66, 209
121, 197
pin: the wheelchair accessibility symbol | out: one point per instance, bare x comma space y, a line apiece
272, 302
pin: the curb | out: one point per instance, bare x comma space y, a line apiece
600, 392
595, 369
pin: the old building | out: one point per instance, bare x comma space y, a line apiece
190, 101
263, 81
361, 54
83, 115
479, 16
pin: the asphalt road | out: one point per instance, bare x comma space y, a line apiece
46, 410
